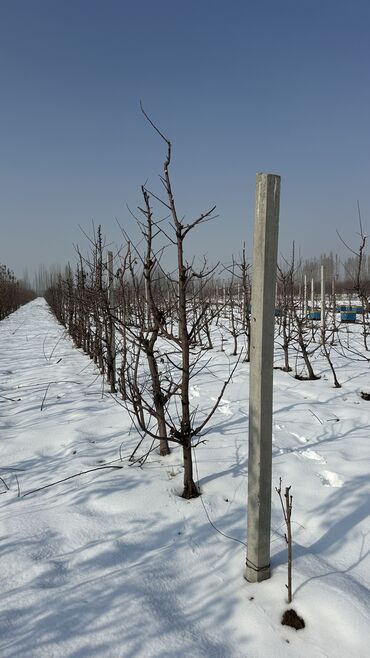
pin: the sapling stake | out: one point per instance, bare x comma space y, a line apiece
287, 512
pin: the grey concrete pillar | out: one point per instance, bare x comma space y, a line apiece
265, 241
334, 305
305, 297
322, 299
312, 295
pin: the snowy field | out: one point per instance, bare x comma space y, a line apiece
114, 563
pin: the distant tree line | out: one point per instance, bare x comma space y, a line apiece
13, 293
343, 270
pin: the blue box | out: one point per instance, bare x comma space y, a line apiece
348, 316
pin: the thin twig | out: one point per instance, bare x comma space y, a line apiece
98, 468
44, 398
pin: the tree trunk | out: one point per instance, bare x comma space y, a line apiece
190, 488
311, 374
164, 448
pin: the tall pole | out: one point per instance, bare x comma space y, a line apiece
305, 297
334, 303
312, 294
265, 241
322, 302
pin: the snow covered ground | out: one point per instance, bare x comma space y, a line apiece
114, 563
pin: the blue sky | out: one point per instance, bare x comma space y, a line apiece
238, 86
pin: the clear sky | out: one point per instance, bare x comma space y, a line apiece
239, 87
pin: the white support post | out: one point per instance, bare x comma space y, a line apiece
322, 301
265, 241
334, 304
305, 297
312, 294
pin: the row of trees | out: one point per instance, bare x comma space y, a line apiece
13, 293
150, 330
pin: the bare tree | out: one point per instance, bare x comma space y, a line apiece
286, 506
358, 273
185, 361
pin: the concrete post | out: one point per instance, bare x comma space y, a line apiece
322, 300
312, 294
334, 305
265, 241
305, 297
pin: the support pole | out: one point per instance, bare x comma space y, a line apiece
322, 302
305, 297
111, 337
312, 294
334, 303
265, 241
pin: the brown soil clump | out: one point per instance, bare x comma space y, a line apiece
290, 618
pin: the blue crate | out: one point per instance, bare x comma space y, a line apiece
348, 316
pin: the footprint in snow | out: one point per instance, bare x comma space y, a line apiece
223, 407
330, 479
312, 454
194, 392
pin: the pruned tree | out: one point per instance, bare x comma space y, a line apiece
182, 357
238, 290
359, 276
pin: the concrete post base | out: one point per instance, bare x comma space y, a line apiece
257, 576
